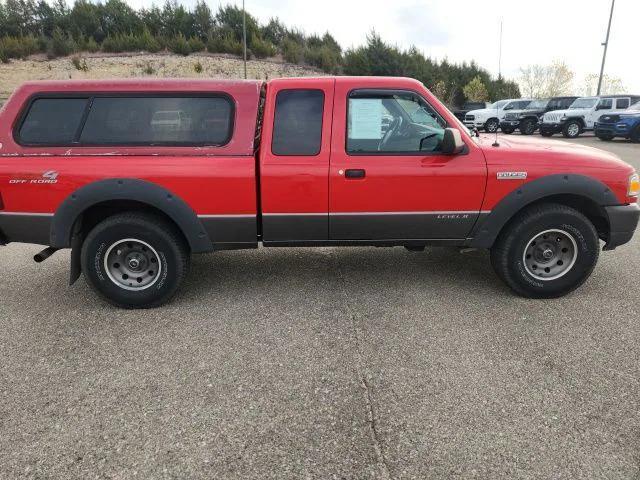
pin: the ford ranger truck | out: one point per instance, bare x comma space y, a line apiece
135, 176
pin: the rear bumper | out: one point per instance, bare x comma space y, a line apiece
623, 220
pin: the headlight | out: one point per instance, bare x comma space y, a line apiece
634, 185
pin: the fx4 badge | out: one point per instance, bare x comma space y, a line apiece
511, 175
48, 177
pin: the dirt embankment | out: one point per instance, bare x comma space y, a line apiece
142, 65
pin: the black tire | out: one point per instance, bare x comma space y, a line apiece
635, 135
165, 244
508, 131
527, 127
572, 129
546, 134
491, 125
513, 244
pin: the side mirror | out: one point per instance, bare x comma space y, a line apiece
452, 143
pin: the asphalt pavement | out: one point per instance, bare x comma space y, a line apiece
321, 363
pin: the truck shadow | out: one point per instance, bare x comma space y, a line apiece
377, 269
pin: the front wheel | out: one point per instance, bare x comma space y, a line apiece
527, 127
605, 137
491, 126
635, 135
547, 252
572, 129
135, 260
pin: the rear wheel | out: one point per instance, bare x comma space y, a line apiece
549, 251
572, 129
527, 127
491, 125
135, 260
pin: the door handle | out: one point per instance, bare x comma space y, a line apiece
354, 173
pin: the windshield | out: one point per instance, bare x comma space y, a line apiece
497, 105
635, 106
583, 103
538, 104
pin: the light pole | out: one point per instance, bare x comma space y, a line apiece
244, 39
605, 45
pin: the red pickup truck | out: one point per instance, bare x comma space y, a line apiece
136, 175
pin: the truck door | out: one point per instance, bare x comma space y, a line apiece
294, 160
388, 180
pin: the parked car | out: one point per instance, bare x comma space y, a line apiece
467, 107
528, 120
620, 123
582, 114
292, 162
488, 119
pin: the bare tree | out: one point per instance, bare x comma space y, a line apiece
538, 81
610, 85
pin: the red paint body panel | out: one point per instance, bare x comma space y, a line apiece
540, 157
295, 184
212, 180
402, 183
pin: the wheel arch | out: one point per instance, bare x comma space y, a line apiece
580, 192
580, 120
96, 200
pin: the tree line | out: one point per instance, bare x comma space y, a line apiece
57, 29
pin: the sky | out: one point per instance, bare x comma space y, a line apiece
534, 32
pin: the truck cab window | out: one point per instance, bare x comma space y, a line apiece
398, 122
149, 120
297, 126
52, 121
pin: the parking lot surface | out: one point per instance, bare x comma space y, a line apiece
323, 363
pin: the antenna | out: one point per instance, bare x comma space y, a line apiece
495, 143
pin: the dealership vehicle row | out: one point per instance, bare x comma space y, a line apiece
608, 116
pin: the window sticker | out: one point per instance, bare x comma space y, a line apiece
366, 118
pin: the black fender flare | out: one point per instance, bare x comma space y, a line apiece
487, 229
579, 119
130, 189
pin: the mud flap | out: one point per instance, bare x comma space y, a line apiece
76, 249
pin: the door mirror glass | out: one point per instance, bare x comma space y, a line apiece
452, 143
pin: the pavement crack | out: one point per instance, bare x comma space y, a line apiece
360, 370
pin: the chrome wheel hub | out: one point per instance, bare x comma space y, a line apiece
573, 129
550, 254
132, 264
